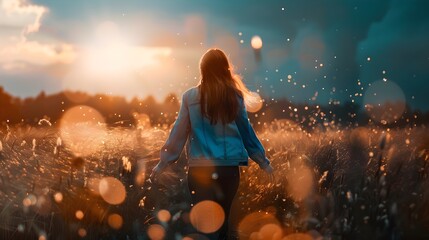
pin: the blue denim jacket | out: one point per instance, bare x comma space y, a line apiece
211, 145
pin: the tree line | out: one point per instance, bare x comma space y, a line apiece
118, 111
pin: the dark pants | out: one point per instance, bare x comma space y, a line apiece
218, 184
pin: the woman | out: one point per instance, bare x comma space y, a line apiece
214, 122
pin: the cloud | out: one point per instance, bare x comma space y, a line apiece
22, 14
17, 52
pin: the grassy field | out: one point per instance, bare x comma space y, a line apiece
331, 183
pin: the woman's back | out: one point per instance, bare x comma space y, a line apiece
212, 144
213, 120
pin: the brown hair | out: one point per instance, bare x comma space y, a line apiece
219, 87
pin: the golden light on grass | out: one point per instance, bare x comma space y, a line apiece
156, 232
82, 130
256, 42
115, 221
207, 216
163, 215
254, 222
112, 190
142, 120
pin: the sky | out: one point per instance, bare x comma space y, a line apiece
315, 52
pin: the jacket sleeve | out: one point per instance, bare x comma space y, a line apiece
173, 147
251, 142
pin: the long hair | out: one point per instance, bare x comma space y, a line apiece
219, 87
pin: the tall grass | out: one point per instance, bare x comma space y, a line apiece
333, 183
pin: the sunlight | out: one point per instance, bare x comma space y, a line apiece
111, 54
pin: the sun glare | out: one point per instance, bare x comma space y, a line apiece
112, 54
107, 53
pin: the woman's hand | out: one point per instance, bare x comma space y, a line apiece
270, 171
156, 171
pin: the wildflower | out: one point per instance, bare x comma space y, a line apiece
44, 121
59, 142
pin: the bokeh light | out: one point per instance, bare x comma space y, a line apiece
163, 215
156, 232
195, 236
112, 190
79, 214
93, 185
253, 102
254, 222
43, 205
207, 216
300, 182
140, 176
82, 130
384, 101
256, 42
270, 231
82, 232
58, 197
142, 120
115, 221
298, 236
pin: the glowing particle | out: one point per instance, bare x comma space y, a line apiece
115, 221
156, 232
207, 216
20, 228
82, 232
368, 59
58, 197
164, 215
256, 42
79, 214
112, 190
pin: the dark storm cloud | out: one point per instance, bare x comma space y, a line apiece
399, 45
